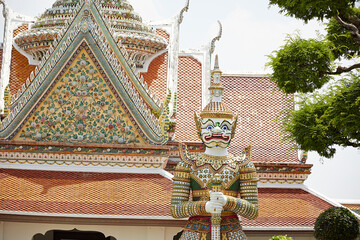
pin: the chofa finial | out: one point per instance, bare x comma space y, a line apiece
217, 38
185, 9
5, 8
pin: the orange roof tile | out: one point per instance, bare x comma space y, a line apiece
287, 208
135, 195
156, 76
23, 27
252, 98
258, 105
163, 34
351, 206
84, 193
19, 71
189, 98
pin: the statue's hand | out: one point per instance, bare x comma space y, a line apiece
213, 207
218, 197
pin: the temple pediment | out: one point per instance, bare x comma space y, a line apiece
83, 106
86, 90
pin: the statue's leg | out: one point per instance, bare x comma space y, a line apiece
238, 235
189, 235
231, 229
197, 228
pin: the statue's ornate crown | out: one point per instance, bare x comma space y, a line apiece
215, 108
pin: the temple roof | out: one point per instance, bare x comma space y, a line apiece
139, 39
253, 98
352, 205
81, 193
255, 101
85, 76
135, 196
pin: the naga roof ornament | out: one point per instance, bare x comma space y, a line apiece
185, 9
217, 38
127, 27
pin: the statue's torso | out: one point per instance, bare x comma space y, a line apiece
203, 168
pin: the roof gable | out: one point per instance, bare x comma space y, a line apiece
87, 30
81, 107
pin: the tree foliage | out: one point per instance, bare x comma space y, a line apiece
328, 119
310, 9
305, 65
285, 237
301, 65
336, 223
346, 46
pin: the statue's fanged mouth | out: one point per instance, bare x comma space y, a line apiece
217, 136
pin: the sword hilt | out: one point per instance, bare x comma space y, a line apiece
216, 186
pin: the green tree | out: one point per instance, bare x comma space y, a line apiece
285, 237
336, 223
304, 65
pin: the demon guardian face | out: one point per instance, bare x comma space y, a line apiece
216, 132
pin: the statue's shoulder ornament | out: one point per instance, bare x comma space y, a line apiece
215, 163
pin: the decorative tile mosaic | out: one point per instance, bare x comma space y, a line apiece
83, 149
113, 160
81, 108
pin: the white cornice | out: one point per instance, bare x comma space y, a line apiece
280, 228
280, 185
198, 54
82, 168
146, 65
231, 74
321, 196
348, 201
86, 215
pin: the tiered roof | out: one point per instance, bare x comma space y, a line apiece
139, 39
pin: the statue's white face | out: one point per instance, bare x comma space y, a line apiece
216, 132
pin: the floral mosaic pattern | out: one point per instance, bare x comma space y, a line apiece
81, 108
87, 149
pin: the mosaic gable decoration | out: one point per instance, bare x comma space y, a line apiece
81, 108
95, 97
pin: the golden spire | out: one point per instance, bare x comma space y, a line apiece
216, 109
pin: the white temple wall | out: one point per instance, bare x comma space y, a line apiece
267, 236
25, 231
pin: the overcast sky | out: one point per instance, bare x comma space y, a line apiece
251, 30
